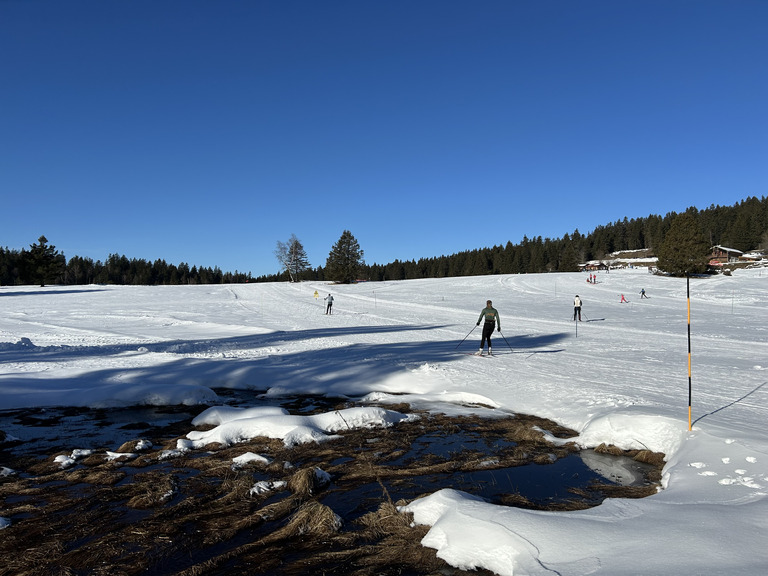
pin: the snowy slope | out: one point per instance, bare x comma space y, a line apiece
618, 377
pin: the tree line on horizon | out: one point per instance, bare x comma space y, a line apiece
42, 264
743, 226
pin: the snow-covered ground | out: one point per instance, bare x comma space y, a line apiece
619, 377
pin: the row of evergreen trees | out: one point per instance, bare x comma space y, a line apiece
743, 226
681, 241
42, 264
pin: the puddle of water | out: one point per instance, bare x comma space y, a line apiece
43, 432
541, 484
165, 506
447, 445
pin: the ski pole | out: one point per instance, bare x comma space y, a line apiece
465, 337
505, 340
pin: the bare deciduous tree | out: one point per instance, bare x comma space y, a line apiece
292, 257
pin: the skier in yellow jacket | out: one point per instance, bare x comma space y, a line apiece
492, 320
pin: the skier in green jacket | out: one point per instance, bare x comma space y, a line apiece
492, 319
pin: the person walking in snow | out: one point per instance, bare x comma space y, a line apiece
491, 316
577, 308
328, 303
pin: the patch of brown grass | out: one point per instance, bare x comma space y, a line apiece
151, 489
648, 457
196, 512
609, 449
104, 477
386, 520
313, 518
613, 491
305, 483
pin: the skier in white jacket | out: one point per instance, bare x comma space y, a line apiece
577, 308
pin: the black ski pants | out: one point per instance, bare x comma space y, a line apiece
488, 328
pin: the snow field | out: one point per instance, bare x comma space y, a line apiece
620, 377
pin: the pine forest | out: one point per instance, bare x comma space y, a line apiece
742, 227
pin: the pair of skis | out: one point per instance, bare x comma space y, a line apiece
475, 353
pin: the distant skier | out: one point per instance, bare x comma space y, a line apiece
642, 294
577, 308
491, 316
328, 304
623, 300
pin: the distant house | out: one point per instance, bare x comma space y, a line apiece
722, 255
594, 266
642, 258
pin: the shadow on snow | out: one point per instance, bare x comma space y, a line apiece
737, 401
356, 368
44, 292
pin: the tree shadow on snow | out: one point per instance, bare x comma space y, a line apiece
528, 343
338, 369
21, 350
44, 292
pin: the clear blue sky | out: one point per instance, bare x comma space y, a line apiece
205, 131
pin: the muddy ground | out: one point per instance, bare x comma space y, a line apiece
328, 508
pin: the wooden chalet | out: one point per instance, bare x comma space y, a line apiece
723, 255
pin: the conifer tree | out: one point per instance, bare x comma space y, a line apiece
345, 260
569, 262
44, 262
685, 248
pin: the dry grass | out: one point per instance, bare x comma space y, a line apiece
313, 519
609, 449
196, 515
648, 457
152, 489
386, 520
305, 483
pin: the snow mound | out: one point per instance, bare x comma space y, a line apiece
238, 425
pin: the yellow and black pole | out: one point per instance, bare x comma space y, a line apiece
688, 291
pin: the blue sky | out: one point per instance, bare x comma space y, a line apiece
205, 132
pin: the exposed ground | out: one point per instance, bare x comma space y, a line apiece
328, 508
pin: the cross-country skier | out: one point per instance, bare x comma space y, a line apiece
577, 308
491, 316
329, 303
